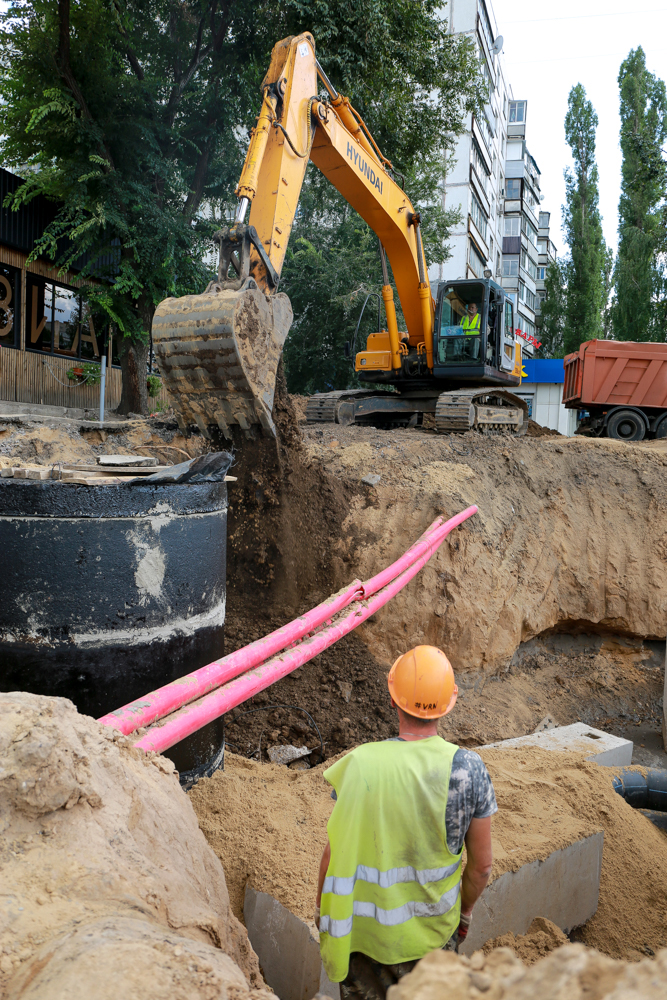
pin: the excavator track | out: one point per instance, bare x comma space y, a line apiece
322, 408
480, 409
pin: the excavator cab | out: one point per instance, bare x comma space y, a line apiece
474, 335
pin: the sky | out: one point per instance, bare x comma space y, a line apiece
583, 41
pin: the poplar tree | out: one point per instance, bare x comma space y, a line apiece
639, 310
585, 267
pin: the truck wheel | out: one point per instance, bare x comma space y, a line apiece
661, 429
626, 425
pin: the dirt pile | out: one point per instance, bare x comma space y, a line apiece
541, 938
43, 442
101, 858
571, 536
571, 973
267, 824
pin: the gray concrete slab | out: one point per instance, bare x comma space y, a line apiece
605, 749
564, 888
288, 949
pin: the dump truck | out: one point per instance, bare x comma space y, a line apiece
218, 352
621, 386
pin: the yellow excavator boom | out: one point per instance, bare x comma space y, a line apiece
219, 352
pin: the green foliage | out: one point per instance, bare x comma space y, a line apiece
154, 383
641, 292
331, 267
552, 312
585, 268
134, 116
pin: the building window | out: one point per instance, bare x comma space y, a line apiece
475, 261
512, 225
498, 262
478, 216
512, 190
526, 295
528, 265
530, 230
10, 298
541, 273
479, 166
510, 266
542, 245
57, 322
517, 111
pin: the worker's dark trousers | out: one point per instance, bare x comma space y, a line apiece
369, 980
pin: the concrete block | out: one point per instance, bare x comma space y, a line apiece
611, 751
7, 473
288, 949
564, 889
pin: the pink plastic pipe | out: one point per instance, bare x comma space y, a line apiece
170, 697
239, 690
174, 695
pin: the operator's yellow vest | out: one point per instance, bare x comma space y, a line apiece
392, 889
470, 327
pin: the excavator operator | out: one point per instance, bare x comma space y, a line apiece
471, 322
390, 886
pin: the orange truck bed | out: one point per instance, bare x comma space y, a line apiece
607, 373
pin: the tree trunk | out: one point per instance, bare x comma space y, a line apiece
134, 368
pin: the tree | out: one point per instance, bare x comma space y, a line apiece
135, 116
585, 267
333, 266
639, 311
552, 311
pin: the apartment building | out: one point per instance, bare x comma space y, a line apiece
473, 179
495, 182
522, 196
546, 254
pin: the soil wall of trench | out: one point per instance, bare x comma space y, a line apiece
571, 534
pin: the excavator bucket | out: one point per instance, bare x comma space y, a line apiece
218, 354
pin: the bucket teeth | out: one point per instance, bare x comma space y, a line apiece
218, 354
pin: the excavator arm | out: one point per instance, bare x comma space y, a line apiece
219, 352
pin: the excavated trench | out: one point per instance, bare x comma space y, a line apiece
551, 600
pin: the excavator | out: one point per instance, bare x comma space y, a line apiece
218, 352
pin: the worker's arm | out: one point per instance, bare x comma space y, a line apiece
479, 863
324, 864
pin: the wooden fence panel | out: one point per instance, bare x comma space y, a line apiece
8, 359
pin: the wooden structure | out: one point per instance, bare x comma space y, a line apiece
45, 329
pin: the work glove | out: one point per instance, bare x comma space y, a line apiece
316, 917
464, 926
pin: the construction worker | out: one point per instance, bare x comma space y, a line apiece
470, 322
390, 886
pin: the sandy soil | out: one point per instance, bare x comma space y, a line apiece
570, 973
101, 857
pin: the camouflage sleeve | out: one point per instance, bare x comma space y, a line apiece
471, 796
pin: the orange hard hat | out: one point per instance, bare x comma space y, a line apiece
422, 683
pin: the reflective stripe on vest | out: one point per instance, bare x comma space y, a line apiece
390, 918
344, 886
392, 889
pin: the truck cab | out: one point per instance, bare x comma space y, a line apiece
474, 339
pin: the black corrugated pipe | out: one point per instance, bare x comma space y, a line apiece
647, 793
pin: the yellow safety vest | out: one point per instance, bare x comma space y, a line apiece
469, 327
392, 889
